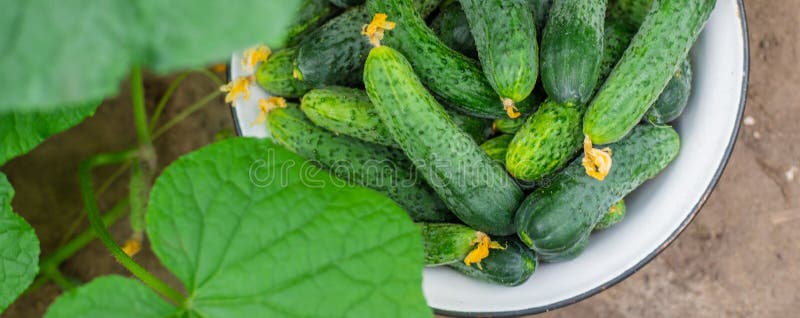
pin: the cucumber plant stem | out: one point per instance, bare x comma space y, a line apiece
139, 110
186, 113
93, 213
162, 103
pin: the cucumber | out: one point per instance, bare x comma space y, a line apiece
310, 15
346, 3
348, 111
568, 254
546, 142
617, 36
672, 101
645, 68
511, 266
505, 35
632, 11
508, 125
497, 147
475, 188
453, 77
380, 168
446, 243
558, 215
614, 215
334, 54
275, 75
540, 10
452, 28
572, 49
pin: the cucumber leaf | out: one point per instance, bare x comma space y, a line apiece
111, 296
57, 53
19, 249
23, 131
253, 230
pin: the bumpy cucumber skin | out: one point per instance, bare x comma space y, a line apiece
570, 253
614, 215
508, 125
448, 74
446, 243
558, 215
334, 54
505, 35
540, 10
346, 3
497, 147
546, 142
452, 28
572, 49
346, 111
275, 75
509, 267
646, 67
474, 187
632, 11
349, 111
310, 15
617, 36
382, 169
673, 100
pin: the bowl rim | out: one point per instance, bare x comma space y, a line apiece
688, 220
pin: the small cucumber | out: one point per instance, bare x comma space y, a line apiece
613, 216
572, 49
568, 254
497, 147
672, 101
275, 75
452, 28
558, 215
310, 15
505, 35
448, 74
546, 142
382, 169
346, 3
645, 68
617, 36
349, 111
446, 243
474, 187
540, 10
511, 266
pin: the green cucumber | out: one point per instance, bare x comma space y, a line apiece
632, 11
275, 75
509, 125
334, 54
452, 28
505, 35
558, 215
614, 215
546, 142
346, 3
540, 10
382, 169
348, 111
645, 68
568, 254
474, 187
448, 74
310, 15
672, 101
617, 36
511, 266
446, 243
572, 49
497, 147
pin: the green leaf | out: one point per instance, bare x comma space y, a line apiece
20, 132
111, 296
19, 249
253, 230
58, 53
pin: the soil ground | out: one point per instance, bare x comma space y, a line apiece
739, 258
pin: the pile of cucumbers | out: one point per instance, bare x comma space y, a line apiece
473, 115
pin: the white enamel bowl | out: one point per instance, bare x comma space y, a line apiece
657, 212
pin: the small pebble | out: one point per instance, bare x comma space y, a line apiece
749, 121
756, 135
790, 173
